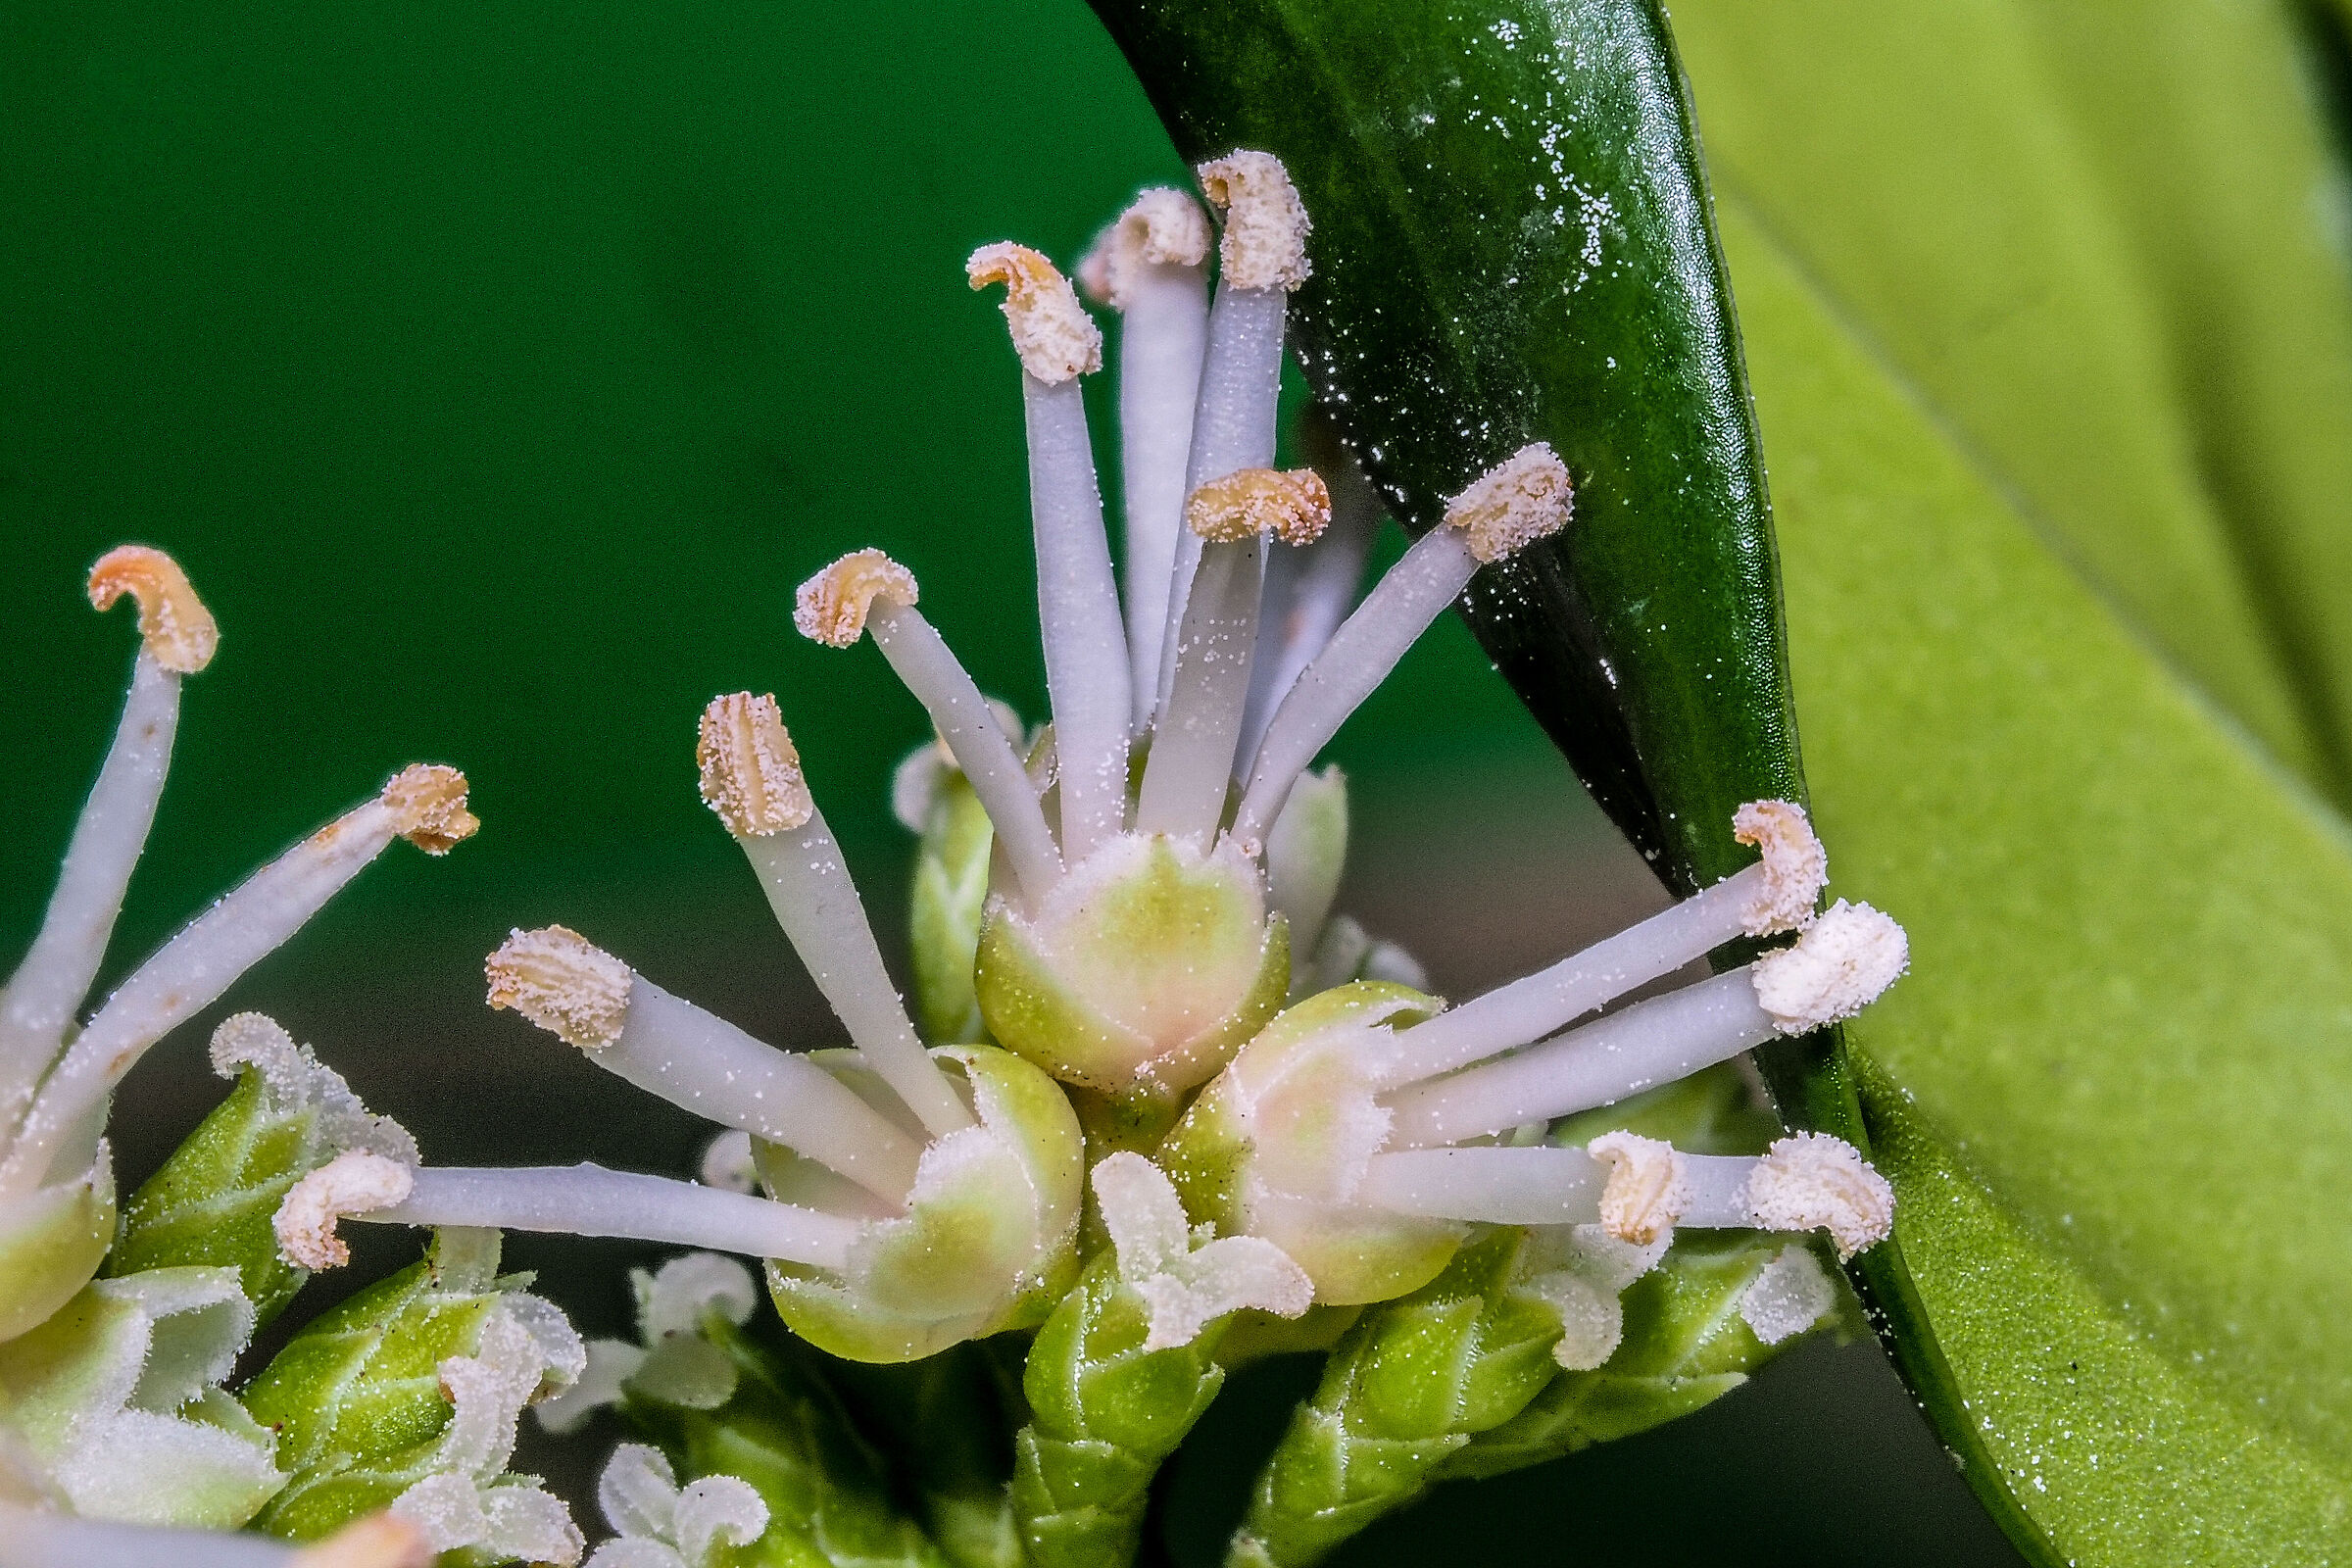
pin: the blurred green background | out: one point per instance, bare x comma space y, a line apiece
496, 370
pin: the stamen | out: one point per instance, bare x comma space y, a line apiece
925, 666
569, 1199
1647, 1188
1755, 902
41, 1539
1200, 722
179, 633
1057, 340
1812, 1181
1534, 1186
750, 773
1294, 506
1077, 596
355, 1181
696, 1060
1523, 499
1845, 959
1308, 592
832, 606
1240, 373
213, 950
56, 974
1264, 246
379, 1541
1149, 265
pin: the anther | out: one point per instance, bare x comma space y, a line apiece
831, 607
1292, 505
1266, 225
1522, 499
1052, 332
751, 774
354, 1182
181, 634
563, 983
428, 806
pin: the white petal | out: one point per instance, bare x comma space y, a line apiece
674, 1297
610, 1362
638, 1491
1788, 1296
718, 1511
1142, 1213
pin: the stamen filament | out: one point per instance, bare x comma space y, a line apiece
214, 950
56, 974
1546, 1186
923, 664
1361, 653
31, 1538
696, 1060
1651, 1042
810, 889
1078, 610
1192, 742
588, 1199
1310, 591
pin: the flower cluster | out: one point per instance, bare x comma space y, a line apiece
1132, 986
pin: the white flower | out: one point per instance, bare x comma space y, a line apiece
663, 1525
1186, 1278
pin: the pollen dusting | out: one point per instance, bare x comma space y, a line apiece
354, 1182
1523, 498
1848, 956
181, 634
1161, 227
563, 983
1811, 1181
750, 772
1648, 1189
1052, 332
428, 806
1795, 865
1266, 222
379, 1541
1293, 504
832, 606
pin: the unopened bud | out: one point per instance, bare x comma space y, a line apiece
831, 606
181, 634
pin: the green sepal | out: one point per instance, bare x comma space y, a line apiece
356, 1395
52, 1240
951, 894
1413, 1381
1105, 1414
785, 1432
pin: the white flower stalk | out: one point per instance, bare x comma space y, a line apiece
1639, 1189
696, 1060
467, 1503
1188, 1276
1199, 727
1331, 1132
34, 1537
581, 1200
57, 1197
1077, 595
662, 1525
1150, 267
1838, 965
1523, 499
117, 1400
866, 591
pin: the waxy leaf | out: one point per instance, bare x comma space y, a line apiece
2112, 1094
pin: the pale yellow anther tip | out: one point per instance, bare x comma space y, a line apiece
1523, 498
831, 606
1647, 1190
1050, 330
1811, 1181
1266, 222
750, 772
354, 1182
181, 634
1161, 227
1292, 505
379, 1541
1846, 957
1796, 867
563, 983
428, 806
